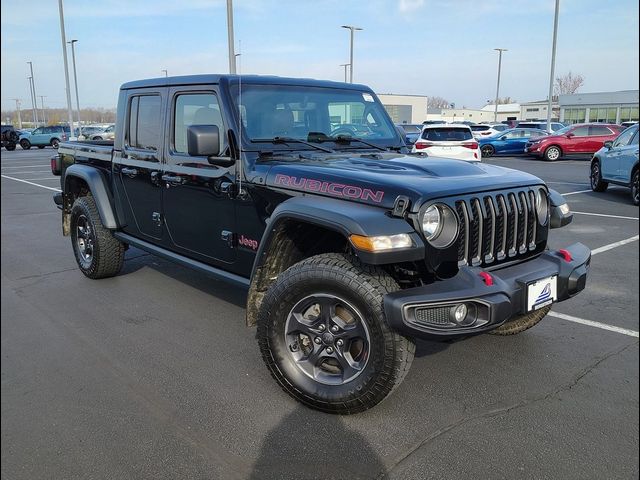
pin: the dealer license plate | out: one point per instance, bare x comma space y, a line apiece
542, 292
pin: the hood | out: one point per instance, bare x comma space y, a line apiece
377, 179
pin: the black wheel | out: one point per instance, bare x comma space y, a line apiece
97, 138
41, 147
55, 142
552, 153
323, 334
10, 146
13, 136
25, 144
597, 184
487, 151
521, 323
635, 188
98, 253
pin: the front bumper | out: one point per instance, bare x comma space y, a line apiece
494, 304
534, 149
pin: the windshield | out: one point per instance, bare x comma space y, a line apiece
292, 111
562, 131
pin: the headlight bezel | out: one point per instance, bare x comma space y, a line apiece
447, 229
542, 205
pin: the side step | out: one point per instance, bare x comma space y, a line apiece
182, 260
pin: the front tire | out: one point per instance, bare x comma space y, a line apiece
55, 142
635, 188
521, 323
25, 144
324, 337
595, 178
487, 151
98, 253
552, 153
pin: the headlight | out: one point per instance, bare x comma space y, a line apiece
542, 206
439, 225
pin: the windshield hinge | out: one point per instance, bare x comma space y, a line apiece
400, 206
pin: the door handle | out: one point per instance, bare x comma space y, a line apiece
131, 172
173, 179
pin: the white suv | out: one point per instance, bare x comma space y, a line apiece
487, 129
448, 141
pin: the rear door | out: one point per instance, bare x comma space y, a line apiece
198, 210
137, 166
598, 134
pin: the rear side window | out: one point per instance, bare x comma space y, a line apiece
144, 122
447, 134
598, 130
195, 109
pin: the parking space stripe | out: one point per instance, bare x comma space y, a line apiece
27, 166
591, 323
31, 183
604, 248
575, 193
568, 183
39, 172
606, 215
43, 178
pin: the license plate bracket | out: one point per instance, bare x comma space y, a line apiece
542, 292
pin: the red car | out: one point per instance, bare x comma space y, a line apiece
580, 138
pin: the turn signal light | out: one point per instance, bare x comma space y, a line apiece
381, 243
422, 145
471, 145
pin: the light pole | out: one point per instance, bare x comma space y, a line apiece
166, 74
33, 111
351, 30
553, 65
499, 50
18, 112
44, 120
66, 68
345, 65
33, 89
232, 53
75, 81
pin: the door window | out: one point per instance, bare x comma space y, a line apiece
513, 134
581, 132
144, 122
195, 109
597, 130
624, 138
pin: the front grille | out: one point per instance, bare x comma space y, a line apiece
496, 226
433, 315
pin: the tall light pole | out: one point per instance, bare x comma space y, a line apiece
33, 109
18, 112
75, 81
232, 53
553, 65
66, 68
42, 97
351, 29
345, 65
166, 73
33, 89
499, 50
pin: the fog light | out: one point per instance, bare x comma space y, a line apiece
459, 313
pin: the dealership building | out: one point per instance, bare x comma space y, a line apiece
609, 107
405, 108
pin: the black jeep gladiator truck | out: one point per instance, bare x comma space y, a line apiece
303, 192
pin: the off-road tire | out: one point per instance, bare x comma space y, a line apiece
25, 144
552, 153
363, 286
107, 252
10, 147
521, 323
595, 177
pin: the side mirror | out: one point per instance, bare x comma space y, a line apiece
570, 135
504, 137
204, 141
608, 144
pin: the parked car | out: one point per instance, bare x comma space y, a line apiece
628, 124
10, 137
433, 122
448, 141
578, 139
487, 129
45, 136
410, 132
107, 134
555, 126
617, 163
510, 141
89, 131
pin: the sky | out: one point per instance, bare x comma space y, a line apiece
424, 47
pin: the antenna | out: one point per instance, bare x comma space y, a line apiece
240, 160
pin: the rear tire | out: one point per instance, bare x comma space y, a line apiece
552, 153
597, 184
10, 147
521, 323
487, 151
98, 253
97, 138
55, 142
25, 144
635, 188
324, 337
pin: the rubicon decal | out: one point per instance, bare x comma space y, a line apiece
335, 189
248, 242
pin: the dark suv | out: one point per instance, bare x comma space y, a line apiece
9, 137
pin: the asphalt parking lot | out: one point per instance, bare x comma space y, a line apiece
152, 374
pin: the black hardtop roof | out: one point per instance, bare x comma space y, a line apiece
208, 79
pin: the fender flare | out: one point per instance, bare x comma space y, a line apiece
97, 184
346, 218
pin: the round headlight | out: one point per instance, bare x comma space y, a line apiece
440, 225
431, 222
542, 206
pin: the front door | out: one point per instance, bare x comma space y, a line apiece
198, 208
579, 141
137, 167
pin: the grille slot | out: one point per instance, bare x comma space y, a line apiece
494, 227
433, 315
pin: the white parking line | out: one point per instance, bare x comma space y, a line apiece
43, 178
27, 166
31, 183
606, 215
591, 323
604, 248
40, 172
575, 193
569, 183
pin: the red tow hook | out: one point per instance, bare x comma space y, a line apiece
486, 278
566, 254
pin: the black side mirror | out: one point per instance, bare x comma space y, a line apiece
504, 137
608, 144
204, 141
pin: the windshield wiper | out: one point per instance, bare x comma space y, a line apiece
277, 140
347, 139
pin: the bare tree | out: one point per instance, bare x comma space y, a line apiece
567, 84
505, 100
438, 102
